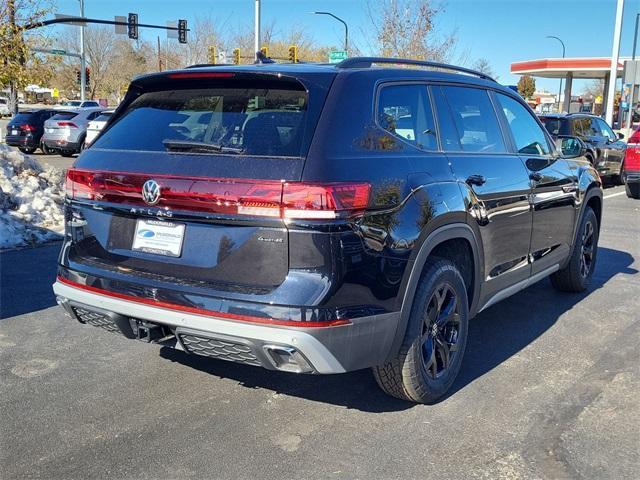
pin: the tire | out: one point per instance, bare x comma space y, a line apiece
576, 276
26, 150
437, 329
633, 190
67, 153
46, 150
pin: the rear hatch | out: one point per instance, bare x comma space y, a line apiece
186, 184
22, 124
60, 125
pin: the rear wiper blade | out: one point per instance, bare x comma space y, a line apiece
195, 146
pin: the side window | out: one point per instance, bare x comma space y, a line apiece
475, 120
93, 115
528, 135
405, 111
606, 130
449, 138
588, 127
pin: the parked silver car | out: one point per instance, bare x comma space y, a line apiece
66, 131
95, 126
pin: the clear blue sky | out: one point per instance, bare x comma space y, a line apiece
502, 31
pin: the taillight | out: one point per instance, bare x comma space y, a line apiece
300, 200
28, 128
67, 124
264, 198
632, 154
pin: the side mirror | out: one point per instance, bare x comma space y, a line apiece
620, 136
570, 146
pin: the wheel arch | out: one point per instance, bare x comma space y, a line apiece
444, 239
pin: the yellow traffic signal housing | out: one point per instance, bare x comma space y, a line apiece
236, 56
212, 55
293, 53
265, 51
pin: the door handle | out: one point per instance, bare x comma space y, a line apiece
477, 180
535, 176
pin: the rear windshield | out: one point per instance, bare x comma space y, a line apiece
248, 121
22, 117
551, 124
63, 116
103, 117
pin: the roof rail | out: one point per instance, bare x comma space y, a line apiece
367, 62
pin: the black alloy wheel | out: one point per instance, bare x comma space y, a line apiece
440, 331
587, 247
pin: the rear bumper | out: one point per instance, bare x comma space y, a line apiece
60, 143
364, 342
21, 141
632, 176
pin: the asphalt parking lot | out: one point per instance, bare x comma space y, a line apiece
549, 389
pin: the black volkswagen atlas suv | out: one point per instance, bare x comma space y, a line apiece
322, 219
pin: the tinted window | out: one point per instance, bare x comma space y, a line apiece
405, 111
64, 116
253, 121
551, 124
475, 120
22, 117
527, 134
103, 117
583, 126
605, 130
93, 115
449, 138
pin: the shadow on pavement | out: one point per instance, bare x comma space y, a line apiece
26, 277
494, 336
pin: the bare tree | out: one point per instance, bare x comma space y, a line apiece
483, 66
407, 29
19, 65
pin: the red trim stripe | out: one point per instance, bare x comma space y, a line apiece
199, 311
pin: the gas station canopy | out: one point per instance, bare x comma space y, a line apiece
568, 69
584, 67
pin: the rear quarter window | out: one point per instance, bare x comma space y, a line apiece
405, 111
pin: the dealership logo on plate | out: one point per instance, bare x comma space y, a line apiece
151, 192
146, 234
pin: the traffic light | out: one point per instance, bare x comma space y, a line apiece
293, 53
236, 56
132, 26
87, 76
182, 31
78, 77
265, 51
212, 55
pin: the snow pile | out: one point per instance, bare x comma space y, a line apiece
31, 199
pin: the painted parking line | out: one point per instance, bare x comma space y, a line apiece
613, 195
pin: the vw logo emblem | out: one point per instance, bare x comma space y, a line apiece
151, 192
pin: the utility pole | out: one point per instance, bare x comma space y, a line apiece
83, 62
159, 56
633, 85
13, 88
615, 53
256, 39
563, 53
